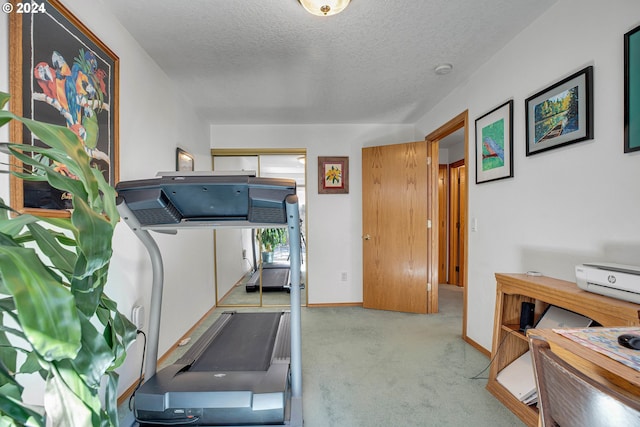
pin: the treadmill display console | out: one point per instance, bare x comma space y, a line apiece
185, 198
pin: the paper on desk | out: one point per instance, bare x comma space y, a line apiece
519, 378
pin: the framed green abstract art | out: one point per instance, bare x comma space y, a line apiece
632, 90
494, 144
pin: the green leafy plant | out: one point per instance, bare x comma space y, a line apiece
272, 237
56, 319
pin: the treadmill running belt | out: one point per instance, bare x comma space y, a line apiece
273, 279
276, 277
245, 344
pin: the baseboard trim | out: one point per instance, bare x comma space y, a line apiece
187, 334
245, 278
477, 346
128, 392
335, 304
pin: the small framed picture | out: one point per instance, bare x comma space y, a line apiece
561, 114
333, 175
632, 90
494, 144
184, 160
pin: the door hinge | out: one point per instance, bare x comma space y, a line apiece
428, 160
428, 223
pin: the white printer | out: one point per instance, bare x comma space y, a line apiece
613, 280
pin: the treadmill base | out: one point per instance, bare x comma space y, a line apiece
211, 386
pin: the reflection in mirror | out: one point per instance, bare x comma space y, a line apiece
243, 277
233, 263
291, 166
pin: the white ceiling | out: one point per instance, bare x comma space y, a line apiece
452, 140
271, 62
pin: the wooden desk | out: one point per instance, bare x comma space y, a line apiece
598, 366
509, 343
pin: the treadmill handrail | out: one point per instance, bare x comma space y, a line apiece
293, 224
157, 286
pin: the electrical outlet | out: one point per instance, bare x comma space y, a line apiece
137, 316
244, 254
343, 276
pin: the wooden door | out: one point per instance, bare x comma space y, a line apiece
394, 211
462, 210
457, 217
443, 192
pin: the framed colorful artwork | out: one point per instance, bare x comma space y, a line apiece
184, 160
632, 90
333, 175
561, 114
61, 73
494, 144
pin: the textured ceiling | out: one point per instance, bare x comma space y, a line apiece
264, 62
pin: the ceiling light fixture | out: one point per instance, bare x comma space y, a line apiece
442, 69
324, 7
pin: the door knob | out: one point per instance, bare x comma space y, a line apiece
366, 237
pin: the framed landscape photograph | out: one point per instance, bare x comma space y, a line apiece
333, 175
61, 73
632, 90
494, 144
561, 114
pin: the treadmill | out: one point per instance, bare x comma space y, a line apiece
275, 277
246, 369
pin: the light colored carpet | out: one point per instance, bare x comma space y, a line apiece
369, 368
377, 368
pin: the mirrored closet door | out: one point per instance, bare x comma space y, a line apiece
252, 266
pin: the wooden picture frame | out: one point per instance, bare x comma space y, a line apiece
61, 73
632, 90
494, 144
561, 114
333, 175
184, 160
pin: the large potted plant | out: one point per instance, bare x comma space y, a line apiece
269, 238
56, 319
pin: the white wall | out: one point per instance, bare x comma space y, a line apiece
154, 119
230, 267
334, 221
563, 207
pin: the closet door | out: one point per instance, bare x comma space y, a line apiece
243, 276
232, 247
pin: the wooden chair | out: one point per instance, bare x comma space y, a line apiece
569, 398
